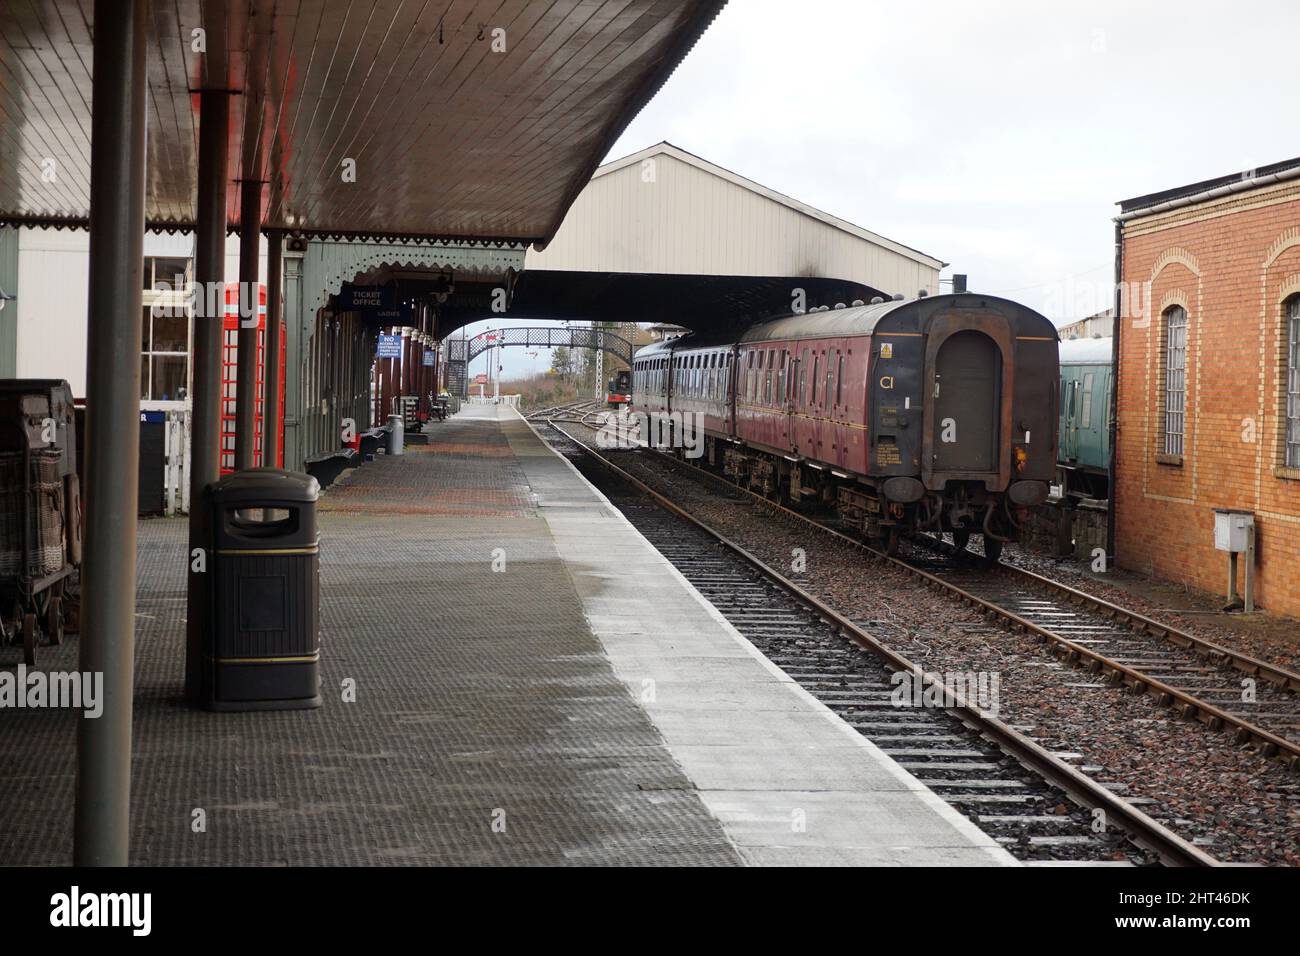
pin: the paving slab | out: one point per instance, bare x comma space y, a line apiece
488, 727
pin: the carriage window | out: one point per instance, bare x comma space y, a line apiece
1085, 410
1175, 378
1293, 383
780, 379
812, 397
830, 381
839, 382
803, 376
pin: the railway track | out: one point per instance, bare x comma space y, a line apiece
1254, 700
1197, 678
564, 412
1028, 798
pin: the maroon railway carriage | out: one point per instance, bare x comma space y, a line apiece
932, 414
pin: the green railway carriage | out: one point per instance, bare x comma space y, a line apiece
1083, 459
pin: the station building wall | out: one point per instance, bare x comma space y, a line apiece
1233, 264
51, 304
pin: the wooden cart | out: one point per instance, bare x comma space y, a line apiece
39, 512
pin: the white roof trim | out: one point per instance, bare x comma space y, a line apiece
668, 149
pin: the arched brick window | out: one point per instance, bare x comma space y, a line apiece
1292, 433
1175, 386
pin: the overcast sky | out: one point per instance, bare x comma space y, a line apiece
994, 136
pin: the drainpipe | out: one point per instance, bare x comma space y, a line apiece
1113, 425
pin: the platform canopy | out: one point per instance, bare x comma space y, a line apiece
702, 303
451, 119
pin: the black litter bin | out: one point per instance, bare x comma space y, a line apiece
262, 640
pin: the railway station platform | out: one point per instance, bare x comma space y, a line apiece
534, 684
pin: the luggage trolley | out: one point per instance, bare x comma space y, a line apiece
40, 511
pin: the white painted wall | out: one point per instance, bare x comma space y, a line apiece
52, 304
53, 283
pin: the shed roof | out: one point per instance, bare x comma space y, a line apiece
1208, 185
668, 149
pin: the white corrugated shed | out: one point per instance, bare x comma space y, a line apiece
664, 210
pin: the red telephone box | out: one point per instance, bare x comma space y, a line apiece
229, 373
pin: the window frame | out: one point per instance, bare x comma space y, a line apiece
1174, 361
803, 377
1291, 383
830, 381
173, 302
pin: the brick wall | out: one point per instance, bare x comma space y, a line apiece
1231, 263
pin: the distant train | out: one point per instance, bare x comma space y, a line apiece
935, 414
1086, 383
620, 388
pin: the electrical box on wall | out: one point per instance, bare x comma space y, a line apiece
1232, 529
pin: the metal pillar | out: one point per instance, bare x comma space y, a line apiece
1250, 569
271, 403
250, 222
101, 834
292, 306
205, 386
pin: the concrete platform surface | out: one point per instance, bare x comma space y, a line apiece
579, 704
789, 780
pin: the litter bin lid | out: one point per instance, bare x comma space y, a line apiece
265, 484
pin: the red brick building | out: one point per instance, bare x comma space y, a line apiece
1208, 403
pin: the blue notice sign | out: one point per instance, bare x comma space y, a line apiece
429, 357
390, 346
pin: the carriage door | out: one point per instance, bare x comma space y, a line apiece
1070, 434
967, 403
